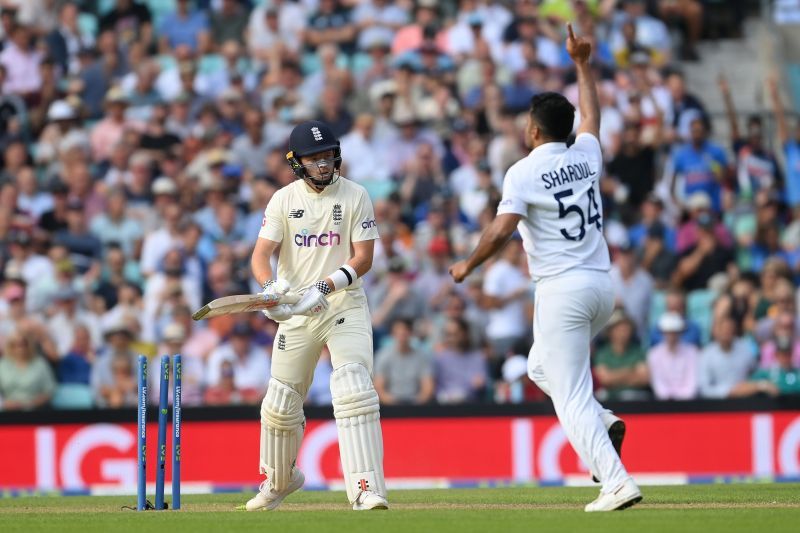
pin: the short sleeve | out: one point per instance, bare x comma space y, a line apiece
364, 226
273, 221
513, 200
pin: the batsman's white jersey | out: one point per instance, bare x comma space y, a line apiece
316, 231
557, 191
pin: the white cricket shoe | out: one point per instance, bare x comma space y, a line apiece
624, 496
368, 500
616, 432
268, 499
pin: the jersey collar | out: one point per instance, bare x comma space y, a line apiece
327, 191
549, 148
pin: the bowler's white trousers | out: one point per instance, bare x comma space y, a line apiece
570, 309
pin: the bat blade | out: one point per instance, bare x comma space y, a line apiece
241, 303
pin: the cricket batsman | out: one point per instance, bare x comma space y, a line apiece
325, 227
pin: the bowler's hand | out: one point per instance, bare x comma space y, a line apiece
578, 48
459, 271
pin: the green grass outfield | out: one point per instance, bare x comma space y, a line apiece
759, 507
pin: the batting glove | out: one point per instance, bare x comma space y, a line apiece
313, 302
279, 313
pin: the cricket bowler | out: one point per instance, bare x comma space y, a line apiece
325, 227
553, 197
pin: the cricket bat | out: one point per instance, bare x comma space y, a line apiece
241, 303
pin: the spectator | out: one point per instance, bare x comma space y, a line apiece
675, 302
21, 62
229, 23
113, 379
403, 374
250, 363
461, 372
783, 328
115, 226
703, 260
129, 20
725, 362
184, 27
26, 381
76, 365
506, 295
790, 143
633, 287
67, 317
83, 247
673, 363
620, 367
700, 165
781, 379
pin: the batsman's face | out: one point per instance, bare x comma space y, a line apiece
319, 166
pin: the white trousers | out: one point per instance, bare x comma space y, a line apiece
570, 309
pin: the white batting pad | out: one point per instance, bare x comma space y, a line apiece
356, 408
282, 425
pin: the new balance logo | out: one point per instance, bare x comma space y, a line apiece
316, 133
296, 213
282, 342
340, 322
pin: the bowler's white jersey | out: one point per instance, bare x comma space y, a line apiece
556, 190
316, 232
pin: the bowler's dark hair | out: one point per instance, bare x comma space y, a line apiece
554, 115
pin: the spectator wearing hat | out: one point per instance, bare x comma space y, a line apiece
781, 379
184, 27
633, 287
84, 248
250, 363
725, 362
109, 131
62, 127
698, 263
26, 380
461, 371
673, 363
507, 298
68, 315
113, 379
620, 366
403, 372
699, 205
675, 302
515, 385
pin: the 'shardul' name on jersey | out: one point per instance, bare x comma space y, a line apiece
567, 174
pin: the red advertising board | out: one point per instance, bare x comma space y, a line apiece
417, 450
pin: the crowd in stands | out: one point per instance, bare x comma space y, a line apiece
140, 141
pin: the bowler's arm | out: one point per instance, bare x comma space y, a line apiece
492, 240
260, 260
